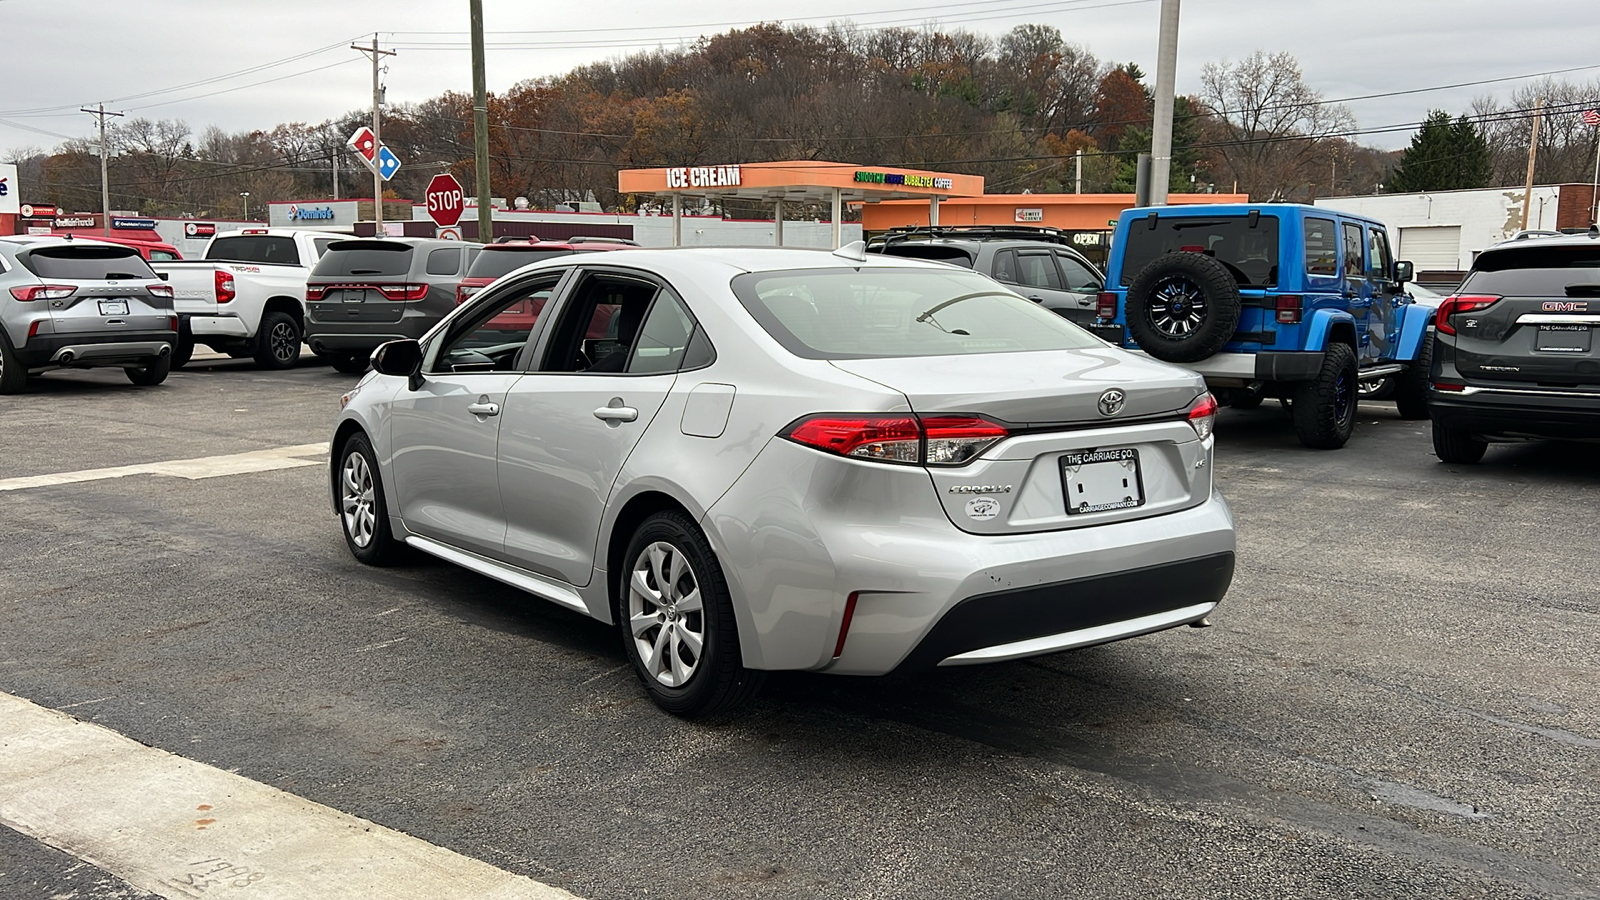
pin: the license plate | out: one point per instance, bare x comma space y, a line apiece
1102, 480
1563, 338
113, 307
355, 296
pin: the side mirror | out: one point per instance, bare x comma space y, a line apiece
164, 276
1403, 272
400, 358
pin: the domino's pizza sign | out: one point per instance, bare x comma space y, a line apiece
9, 194
310, 214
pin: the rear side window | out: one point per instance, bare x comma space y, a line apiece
1322, 247
162, 255
365, 258
444, 262
494, 263
1569, 271
953, 255
873, 313
86, 263
255, 248
663, 338
1250, 254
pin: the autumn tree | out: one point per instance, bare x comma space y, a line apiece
1269, 126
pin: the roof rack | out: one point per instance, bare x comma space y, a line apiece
906, 233
587, 239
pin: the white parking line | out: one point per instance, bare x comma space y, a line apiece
184, 830
202, 467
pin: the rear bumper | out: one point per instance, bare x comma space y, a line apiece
1069, 614
1514, 413
323, 337
350, 343
95, 349
1238, 369
204, 326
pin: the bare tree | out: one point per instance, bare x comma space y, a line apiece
1270, 127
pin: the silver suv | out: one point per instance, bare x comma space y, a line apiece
79, 304
758, 459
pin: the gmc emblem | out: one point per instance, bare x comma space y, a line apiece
1565, 306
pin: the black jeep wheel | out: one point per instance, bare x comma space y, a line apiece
1411, 386
1324, 408
1183, 307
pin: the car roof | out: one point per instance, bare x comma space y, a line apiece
1239, 209
740, 260
1591, 239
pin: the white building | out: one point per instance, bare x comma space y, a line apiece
1442, 232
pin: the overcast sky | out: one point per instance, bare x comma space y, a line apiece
64, 54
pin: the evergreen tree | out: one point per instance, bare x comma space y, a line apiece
1444, 155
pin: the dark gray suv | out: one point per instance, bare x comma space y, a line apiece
368, 291
1036, 262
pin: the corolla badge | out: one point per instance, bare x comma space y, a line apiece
1111, 402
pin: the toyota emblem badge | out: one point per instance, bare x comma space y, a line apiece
1111, 402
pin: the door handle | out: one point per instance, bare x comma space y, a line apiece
616, 414
482, 408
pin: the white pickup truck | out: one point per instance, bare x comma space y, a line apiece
245, 296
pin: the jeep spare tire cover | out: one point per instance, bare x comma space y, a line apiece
1183, 307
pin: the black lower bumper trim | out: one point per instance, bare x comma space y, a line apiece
1288, 365
1020, 614
41, 349
1578, 419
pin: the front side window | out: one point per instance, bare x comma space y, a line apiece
490, 336
1246, 246
873, 313
1322, 247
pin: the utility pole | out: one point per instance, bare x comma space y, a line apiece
334, 157
105, 181
1166, 89
480, 126
377, 130
1078, 178
1533, 156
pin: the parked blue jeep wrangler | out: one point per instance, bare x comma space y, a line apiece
1277, 300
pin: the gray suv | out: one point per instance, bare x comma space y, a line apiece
1035, 262
366, 292
80, 304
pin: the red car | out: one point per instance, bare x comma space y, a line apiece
150, 250
502, 259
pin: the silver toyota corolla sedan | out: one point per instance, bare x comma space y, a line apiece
759, 459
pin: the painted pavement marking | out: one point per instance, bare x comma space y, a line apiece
202, 467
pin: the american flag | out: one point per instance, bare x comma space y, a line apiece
1591, 117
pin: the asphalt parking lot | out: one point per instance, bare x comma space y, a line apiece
1399, 698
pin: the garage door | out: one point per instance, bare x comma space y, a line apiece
1432, 248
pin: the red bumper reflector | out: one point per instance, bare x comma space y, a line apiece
844, 627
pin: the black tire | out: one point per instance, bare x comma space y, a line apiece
13, 376
278, 341
1456, 445
1324, 408
717, 681
1411, 386
1183, 307
371, 542
349, 363
184, 350
152, 372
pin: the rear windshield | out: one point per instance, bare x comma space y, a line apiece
1538, 272
1250, 254
494, 263
87, 263
365, 258
875, 312
255, 248
954, 255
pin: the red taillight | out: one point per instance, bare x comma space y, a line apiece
1288, 309
403, 291
224, 286
160, 290
1460, 303
1203, 415
1105, 305
32, 292
465, 291
315, 292
931, 441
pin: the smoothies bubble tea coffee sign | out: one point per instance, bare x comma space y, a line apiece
897, 179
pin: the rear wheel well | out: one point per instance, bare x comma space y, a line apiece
289, 306
1342, 333
628, 520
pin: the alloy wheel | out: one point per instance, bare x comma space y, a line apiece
1177, 307
284, 341
360, 522
665, 614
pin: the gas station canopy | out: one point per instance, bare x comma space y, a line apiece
804, 180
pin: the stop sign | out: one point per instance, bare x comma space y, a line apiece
445, 200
